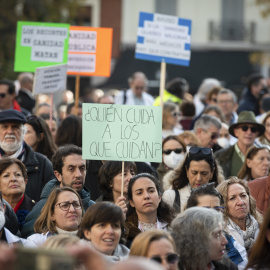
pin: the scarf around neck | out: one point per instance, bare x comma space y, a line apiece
249, 234
19, 154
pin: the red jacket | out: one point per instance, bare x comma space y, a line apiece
260, 191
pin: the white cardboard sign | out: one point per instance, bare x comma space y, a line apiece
50, 79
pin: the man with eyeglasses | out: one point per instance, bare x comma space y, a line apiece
12, 144
69, 169
136, 94
227, 102
246, 130
207, 129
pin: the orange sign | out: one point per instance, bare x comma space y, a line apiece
90, 51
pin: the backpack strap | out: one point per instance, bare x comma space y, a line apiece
177, 203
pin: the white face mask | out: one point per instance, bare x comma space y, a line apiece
173, 160
2, 220
223, 142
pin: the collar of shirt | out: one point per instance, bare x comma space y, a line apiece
238, 151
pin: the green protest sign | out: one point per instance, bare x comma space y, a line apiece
122, 132
40, 44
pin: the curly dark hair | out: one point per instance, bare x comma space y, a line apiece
164, 211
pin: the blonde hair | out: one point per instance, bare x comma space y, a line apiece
223, 190
141, 243
44, 223
56, 242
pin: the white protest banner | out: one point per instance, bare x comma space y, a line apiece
51, 79
163, 38
122, 132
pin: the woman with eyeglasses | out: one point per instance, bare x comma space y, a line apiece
13, 180
173, 152
256, 164
199, 167
102, 227
38, 136
158, 246
146, 209
208, 196
199, 240
61, 214
240, 214
170, 119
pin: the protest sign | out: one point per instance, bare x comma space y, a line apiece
163, 38
89, 51
122, 132
40, 44
51, 79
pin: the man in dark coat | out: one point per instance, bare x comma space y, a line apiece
245, 130
250, 99
39, 168
69, 169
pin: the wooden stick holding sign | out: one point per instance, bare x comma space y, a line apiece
162, 82
122, 184
77, 91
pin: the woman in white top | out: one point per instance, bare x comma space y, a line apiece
61, 214
198, 168
147, 210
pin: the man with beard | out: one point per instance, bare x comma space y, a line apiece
5, 234
69, 169
39, 168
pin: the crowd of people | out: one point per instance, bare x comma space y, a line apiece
205, 206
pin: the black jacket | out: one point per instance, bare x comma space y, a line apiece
28, 228
39, 172
249, 103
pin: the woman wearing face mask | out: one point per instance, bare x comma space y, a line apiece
199, 167
173, 152
103, 228
110, 180
170, 119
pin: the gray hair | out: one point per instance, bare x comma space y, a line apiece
136, 75
230, 92
206, 121
207, 85
192, 231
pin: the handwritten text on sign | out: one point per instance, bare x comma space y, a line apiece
122, 132
50, 79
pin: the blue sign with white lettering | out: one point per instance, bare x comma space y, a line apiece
163, 38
